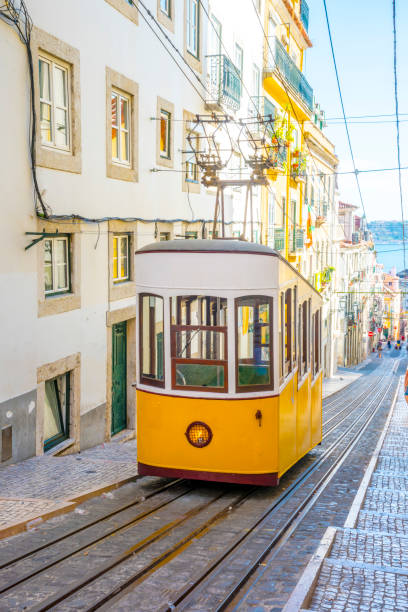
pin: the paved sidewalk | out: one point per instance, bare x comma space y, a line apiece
45, 486
341, 379
364, 566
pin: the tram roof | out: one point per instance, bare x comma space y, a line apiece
207, 246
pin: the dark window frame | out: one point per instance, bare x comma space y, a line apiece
51, 294
176, 327
145, 380
255, 388
64, 433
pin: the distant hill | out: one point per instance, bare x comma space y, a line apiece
387, 231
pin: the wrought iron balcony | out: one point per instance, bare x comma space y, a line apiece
224, 83
297, 240
280, 61
298, 166
279, 242
304, 14
261, 106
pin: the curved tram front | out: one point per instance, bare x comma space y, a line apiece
229, 371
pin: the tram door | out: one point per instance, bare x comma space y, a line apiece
118, 377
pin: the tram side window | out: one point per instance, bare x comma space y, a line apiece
151, 337
305, 339
294, 327
199, 343
254, 343
288, 331
316, 342
281, 333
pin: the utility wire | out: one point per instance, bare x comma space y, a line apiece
362, 117
342, 108
394, 27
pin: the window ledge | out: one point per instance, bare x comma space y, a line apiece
57, 304
124, 289
55, 450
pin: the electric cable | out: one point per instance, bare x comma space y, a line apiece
394, 27
343, 110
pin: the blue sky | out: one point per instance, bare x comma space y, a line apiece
363, 44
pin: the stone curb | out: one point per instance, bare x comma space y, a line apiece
303, 591
62, 506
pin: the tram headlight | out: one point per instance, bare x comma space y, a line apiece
199, 434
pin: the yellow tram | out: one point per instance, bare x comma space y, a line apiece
229, 381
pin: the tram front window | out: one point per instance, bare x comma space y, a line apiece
199, 342
151, 332
254, 343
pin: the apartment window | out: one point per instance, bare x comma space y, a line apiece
165, 7
56, 265
121, 258
56, 410
164, 236
54, 103
191, 235
193, 27
239, 59
165, 119
120, 128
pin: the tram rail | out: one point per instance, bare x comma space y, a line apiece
177, 490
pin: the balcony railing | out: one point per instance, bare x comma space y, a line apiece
279, 243
280, 60
261, 106
224, 83
278, 153
298, 166
297, 240
304, 14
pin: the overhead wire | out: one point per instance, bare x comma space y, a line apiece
342, 108
394, 27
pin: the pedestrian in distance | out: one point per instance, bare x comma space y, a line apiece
379, 349
406, 384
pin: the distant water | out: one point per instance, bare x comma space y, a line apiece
391, 254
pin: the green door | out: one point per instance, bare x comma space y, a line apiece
118, 377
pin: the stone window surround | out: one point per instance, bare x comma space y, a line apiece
163, 104
71, 364
115, 80
124, 289
187, 186
194, 62
127, 314
163, 19
131, 12
52, 157
55, 304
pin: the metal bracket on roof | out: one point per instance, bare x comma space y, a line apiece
41, 235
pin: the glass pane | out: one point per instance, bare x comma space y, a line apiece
114, 102
163, 135
124, 146
44, 69
115, 258
124, 257
60, 87
200, 344
45, 122
52, 417
61, 127
48, 265
253, 334
199, 375
124, 120
61, 251
62, 276
115, 144
199, 310
152, 337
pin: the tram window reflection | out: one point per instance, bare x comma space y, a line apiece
254, 342
199, 342
151, 335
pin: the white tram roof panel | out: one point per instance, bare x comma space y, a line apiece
208, 246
